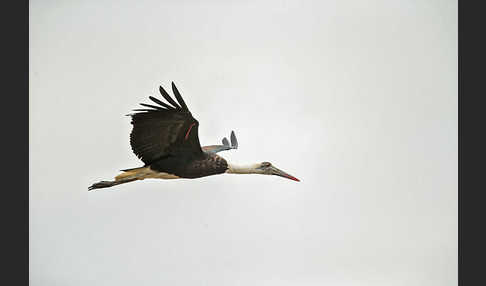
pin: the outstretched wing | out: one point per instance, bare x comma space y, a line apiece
226, 145
165, 129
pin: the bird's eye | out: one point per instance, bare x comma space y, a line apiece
266, 164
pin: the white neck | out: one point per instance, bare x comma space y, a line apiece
243, 169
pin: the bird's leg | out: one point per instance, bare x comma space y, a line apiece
127, 176
101, 184
107, 184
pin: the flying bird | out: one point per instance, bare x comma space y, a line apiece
165, 138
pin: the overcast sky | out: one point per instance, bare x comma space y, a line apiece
358, 99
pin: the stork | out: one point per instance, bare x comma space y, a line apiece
165, 138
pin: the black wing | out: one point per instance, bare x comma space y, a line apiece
164, 130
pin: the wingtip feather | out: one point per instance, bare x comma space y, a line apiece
178, 96
168, 98
225, 142
159, 102
234, 142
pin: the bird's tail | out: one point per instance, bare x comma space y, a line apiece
128, 175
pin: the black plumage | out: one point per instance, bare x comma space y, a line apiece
165, 137
202, 165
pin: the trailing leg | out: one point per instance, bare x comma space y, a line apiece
127, 176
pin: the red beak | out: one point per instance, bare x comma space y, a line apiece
292, 178
281, 173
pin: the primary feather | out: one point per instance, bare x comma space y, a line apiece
160, 132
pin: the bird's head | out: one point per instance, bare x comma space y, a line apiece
266, 168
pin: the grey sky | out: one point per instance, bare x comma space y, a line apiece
358, 99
